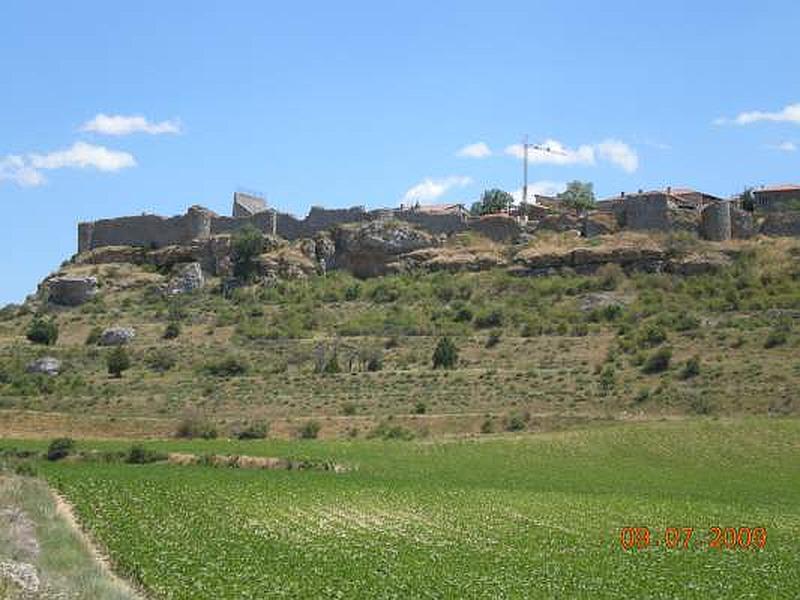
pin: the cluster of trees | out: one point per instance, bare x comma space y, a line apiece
578, 196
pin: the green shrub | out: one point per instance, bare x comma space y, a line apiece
246, 245
420, 408
386, 431
658, 361
776, 337
493, 339
254, 431
608, 377
227, 366
161, 360
651, 335
139, 455
118, 361
515, 422
349, 409
488, 425
490, 318
42, 331
60, 448
172, 330
691, 368
195, 426
25, 469
93, 338
309, 430
445, 356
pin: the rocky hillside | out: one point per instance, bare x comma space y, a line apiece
341, 330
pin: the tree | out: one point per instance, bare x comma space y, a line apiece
492, 201
579, 196
118, 361
445, 356
246, 245
747, 200
42, 331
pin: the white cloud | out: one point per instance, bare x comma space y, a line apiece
125, 125
27, 171
620, 154
789, 114
476, 150
555, 153
430, 189
82, 155
14, 168
784, 147
541, 188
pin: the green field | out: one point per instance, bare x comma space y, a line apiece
527, 516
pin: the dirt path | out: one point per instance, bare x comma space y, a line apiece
66, 511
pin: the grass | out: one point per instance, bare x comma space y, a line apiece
519, 516
65, 567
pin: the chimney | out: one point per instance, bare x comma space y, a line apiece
622, 194
641, 191
669, 189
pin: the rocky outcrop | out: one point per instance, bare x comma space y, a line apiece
697, 264
367, 249
560, 222
47, 365
498, 228
534, 261
599, 223
448, 259
71, 291
286, 263
188, 278
117, 336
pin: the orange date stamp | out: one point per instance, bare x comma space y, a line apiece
685, 538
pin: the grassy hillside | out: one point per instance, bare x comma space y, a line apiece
532, 350
527, 516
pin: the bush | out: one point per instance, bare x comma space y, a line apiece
139, 455
391, 432
309, 430
60, 448
94, 336
254, 431
776, 337
493, 339
691, 368
658, 361
172, 330
349, 409
161, 360
445, 356
118, 361
420, 408
491, 318
651, 335
196, 427
515, 422
608, 377
610, 276
42, 331
246, 245
228, 366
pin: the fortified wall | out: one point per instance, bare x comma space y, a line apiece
152, 231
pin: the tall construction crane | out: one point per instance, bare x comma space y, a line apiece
526, 146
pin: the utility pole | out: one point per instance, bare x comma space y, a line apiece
525, 146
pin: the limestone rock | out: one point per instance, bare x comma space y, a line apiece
47, 365
366, 249
698, 264
188, 278
71, 291
286, 263
449, 259
117, 336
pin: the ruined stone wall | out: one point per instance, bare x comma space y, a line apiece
715, 222
150, 231
644, 211
499, 228
446, 223
781, 224
742, 224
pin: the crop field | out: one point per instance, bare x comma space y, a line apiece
526, 516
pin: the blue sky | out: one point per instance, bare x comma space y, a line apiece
343, 103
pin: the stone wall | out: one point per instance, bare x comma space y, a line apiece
433, 223
500, 228
781, 224
715, 222
150, 231
643, 211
